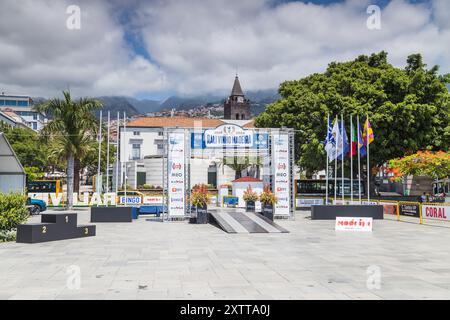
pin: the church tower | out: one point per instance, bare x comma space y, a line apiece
236, 107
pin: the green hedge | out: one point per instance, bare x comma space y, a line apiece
13, 211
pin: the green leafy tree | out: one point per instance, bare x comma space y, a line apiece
72, 128
409, 108
27, 146
33, 173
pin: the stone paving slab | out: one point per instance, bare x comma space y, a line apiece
177, 260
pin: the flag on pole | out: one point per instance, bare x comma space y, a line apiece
343, 145
367, 132
330, 143
336, 137
361, 144
354, 142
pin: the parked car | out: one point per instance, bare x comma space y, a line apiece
36, 206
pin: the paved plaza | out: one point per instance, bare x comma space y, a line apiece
175, 260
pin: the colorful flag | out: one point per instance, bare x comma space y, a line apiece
330, 143
361, 144
368, 132
354, 142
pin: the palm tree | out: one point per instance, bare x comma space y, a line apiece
240, 163
72, 128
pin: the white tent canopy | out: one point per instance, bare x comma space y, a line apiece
12, 175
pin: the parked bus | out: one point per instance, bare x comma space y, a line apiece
317, 188
44, 186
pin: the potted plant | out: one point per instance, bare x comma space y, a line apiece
250, 197
268, 199
200, 200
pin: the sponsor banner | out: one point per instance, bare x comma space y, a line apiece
410, 210
353, 224
348, 202
389, 208
281, 186
436, 212
152, 200
130, 199
229, 136
176, 174
306, 203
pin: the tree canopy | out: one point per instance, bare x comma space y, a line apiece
409, 108
432, 164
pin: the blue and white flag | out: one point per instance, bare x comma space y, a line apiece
331, 143
343, 145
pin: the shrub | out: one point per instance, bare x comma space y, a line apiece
199, 195
146, 186
8, 235
13, 210
250, 195
267, 196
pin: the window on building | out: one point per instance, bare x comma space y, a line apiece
136, 151
160, 146
22, 103
2, 102
10, 102
237, 116
242, 116
35, 117
34, 125
136, 133
160, 133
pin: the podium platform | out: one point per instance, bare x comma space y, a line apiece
53, 226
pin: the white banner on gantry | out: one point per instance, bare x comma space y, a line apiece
176, 174
281, 173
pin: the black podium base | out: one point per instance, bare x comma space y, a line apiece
330, 212
53, 226
111, 214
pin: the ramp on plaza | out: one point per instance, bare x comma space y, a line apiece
239, 221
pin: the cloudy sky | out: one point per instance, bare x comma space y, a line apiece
156, 48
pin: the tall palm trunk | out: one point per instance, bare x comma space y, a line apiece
76, 175
70, 166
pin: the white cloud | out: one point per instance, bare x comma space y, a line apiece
39, 56
201, 43
197, 45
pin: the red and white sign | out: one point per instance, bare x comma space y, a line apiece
354, 224
436, 212
152, 200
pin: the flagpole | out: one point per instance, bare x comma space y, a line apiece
359, 160
342, 167
368, 161
326, 170
107, 155
99, 155
117, 151
335, 167
351, 159
125, 154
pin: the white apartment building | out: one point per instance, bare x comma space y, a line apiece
22, 106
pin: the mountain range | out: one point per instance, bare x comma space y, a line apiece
258, 102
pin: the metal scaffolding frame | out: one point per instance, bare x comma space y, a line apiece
188, 154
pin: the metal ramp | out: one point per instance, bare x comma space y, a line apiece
239, 221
